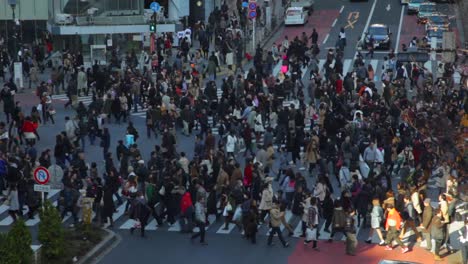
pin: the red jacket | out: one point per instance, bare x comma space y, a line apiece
186, 202
29, 126
248, 173
393, 219
339, 86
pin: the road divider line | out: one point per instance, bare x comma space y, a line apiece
371, 13
397, 44
334, 22
326, 38
341, 10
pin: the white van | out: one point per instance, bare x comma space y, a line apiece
296, 16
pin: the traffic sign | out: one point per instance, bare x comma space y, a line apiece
252, 10
41, 175
155, 6
41, 188
245, 4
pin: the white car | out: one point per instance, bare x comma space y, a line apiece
296, 16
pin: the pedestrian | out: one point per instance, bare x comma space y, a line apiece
463, 238
437, 233
392, 226
139, 212
425, 224
200, 219
105, 142
314, 36
377, 216
275, 223
350, 229
108, 205
13, 201
312, 223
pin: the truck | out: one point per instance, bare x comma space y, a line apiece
306, 4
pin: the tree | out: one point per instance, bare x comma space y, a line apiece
15, 246
51, 233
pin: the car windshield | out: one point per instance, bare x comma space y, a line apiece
435, 33
427, 8
416, 1
377, 31
293, 12
437, 20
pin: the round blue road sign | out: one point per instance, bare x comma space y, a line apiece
155, 6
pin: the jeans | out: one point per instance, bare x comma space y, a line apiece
201, 233
72, 210
464, 252
136, 102
276, 230
438, 244
351, 243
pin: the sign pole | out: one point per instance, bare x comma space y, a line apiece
42, 194
253, 35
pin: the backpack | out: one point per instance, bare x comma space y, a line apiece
339, 220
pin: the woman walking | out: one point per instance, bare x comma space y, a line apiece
376, 222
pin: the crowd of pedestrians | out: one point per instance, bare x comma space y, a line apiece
329, 155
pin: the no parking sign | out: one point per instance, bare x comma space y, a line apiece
41, 175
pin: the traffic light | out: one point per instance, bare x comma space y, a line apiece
153, 27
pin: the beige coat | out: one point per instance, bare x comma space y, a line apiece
222, 180
267, 199
275, 217
312, 152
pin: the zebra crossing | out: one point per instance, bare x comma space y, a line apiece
215, 226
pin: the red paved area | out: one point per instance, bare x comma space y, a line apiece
321, 20
410, 28
365, 254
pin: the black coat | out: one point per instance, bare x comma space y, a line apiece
109, 207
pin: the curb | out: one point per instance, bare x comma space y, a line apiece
101, 249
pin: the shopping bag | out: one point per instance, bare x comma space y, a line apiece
311, 234
237, 214
136, 223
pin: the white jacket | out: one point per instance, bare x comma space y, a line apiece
231, 143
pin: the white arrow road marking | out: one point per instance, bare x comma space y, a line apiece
388, 7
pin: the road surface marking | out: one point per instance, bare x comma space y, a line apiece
334, 22
326, 38
341, 10
371, 13
397, 45
388, 7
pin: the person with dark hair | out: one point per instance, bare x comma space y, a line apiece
437, 232
275, 223
350, 229
200, 219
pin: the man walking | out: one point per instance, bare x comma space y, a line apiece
350, 228
392, 225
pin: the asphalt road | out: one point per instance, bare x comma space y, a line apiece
162, 246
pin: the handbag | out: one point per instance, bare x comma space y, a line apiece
311, 234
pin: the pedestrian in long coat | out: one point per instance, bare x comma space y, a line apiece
109, 207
